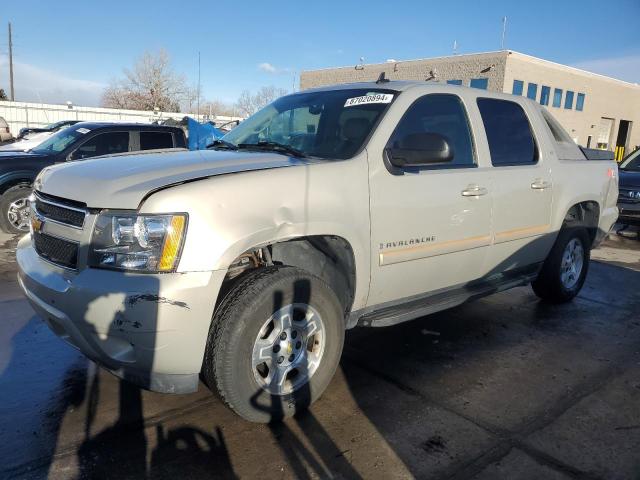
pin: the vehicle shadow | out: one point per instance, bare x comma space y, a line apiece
311, 453
129, 448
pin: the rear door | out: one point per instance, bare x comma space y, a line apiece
521, 186
430, 226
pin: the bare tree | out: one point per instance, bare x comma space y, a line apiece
152, 83
218, 107
249, 103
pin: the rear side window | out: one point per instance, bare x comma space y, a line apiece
442, 114
155, 140
508, 132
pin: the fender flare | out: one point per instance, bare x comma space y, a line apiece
6, 179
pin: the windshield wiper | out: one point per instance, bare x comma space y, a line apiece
222, 144
274, 147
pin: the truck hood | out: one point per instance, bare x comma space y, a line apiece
629, 178
123, 181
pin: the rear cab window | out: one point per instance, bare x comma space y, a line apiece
509, 133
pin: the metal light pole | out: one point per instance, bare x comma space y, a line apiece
12, 92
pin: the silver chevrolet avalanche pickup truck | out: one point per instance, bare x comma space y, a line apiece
363, 204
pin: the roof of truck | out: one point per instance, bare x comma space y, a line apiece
131, 125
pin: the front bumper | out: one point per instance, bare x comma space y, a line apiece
629, 213
150, 329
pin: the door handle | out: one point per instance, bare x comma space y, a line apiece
539, 184
474, 191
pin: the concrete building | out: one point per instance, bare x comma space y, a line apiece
598, 111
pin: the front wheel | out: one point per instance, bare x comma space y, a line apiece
565, 269
15, 212
274, 343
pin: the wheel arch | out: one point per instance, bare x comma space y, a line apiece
14, 179
329, 257
584, 214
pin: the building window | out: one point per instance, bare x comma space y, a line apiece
532, 91
518, 85
545, 92
568, 100
580, 102
481, 83
557, 97
454, 82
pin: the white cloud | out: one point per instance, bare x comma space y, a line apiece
267, 67
624, 68
270, 68
34, 84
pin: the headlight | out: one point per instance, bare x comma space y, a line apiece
147, 243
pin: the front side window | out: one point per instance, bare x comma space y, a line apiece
107, 143
454, 82
155, 140
518, 85
580, 102
532, 91
508, 133
442, 114
557, 97
331, 124
481, 83
568, 100
545, 92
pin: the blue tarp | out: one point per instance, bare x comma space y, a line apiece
201, 134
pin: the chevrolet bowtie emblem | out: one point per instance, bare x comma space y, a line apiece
36, 224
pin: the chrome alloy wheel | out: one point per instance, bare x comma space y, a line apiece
572, 263
19, 213
288, 349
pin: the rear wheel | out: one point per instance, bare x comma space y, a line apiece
565, 269
275, 343
15, 213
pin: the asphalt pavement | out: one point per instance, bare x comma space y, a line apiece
504, 387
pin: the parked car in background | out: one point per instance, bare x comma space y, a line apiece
51, 128
629, 199
5, 132
364, 204
78, 142
32, 137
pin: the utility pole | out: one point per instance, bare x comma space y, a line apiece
504, 31
13, 97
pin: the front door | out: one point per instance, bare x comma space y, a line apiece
430, 226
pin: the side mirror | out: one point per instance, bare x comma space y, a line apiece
420, 149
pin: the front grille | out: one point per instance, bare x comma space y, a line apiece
59, 212
56, 250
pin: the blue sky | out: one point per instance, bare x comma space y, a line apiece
71, 49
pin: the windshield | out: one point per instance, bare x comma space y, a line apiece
59, 141
327, 124
632, 163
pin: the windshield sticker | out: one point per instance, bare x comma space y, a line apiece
82, 130
375, 98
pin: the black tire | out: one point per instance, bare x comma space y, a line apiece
236, 324
11, 195
549, 285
